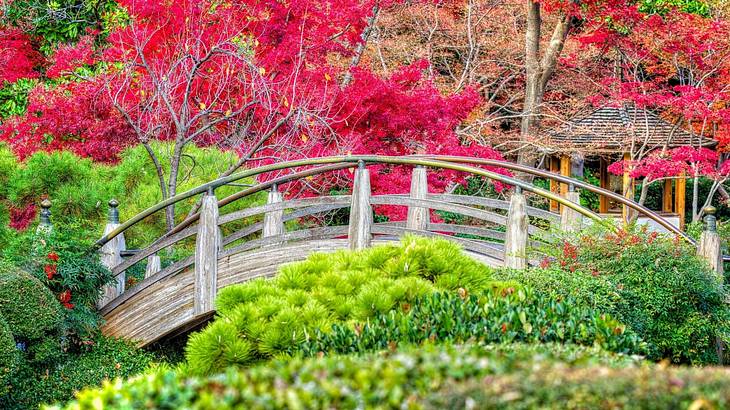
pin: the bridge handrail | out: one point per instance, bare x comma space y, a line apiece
341, 162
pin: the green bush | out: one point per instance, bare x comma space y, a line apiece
28, 307
61, 261
495, 317
657, 286
502, 377
104, 359
261, 319
8, 355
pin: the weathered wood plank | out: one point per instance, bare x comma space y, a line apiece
207, 246
571, 220
274, 220
515, 245
154, 248
418, 216
361, 213
343, 200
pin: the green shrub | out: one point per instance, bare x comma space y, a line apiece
28, 307
511, 377
655, 285
495, 317
261, 319
61, 261
8, 355
105, 359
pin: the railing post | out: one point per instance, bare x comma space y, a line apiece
361, 212
570, 219
45, 226
207, 246
709, 245
515, 243
274, 220
111, 255
154, 265
418, 217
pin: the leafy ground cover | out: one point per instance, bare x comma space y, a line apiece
505, 377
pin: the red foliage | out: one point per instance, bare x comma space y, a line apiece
18, 58
21, 218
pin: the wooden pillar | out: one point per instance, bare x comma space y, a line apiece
274, 220
111, 256
361, 212
154, 265
627, 187
564, 171
207, 246
554, 185
680, 187
667, 199
515, 243
709, 247
418, 217
602, 199
570, 219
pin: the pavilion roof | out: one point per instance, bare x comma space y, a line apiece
613, 129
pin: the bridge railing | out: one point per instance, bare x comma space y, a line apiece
508, 245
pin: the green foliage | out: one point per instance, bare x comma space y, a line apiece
698, 7
29, 308
104, 359
8, 355
14, 97
500, 377
261, 319
77, 275
507, 316
657, 286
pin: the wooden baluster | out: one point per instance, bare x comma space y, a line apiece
709, 244
418, 217
570, 219
111, 255
274, 220
361, 212
515, 243
154, 265
207, 246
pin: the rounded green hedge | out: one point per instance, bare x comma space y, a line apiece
493, 377
8, 355
28, 307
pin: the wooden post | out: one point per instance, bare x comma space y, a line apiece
274, 220
603, 200
570, 219
154, 265
628, 188
361, 212
709, 245
564, 171
111, 256
515, 243
45, 226
554, 166
418, 217
667, 199
207, 246
680, 187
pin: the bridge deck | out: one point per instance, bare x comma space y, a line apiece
165, 307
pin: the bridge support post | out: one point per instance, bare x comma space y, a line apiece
274, 220
570, 219
154, 265
207, 245
111, 256
361, 212
709, 245
418, 217
515, 244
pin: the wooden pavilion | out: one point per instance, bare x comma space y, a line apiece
605, 135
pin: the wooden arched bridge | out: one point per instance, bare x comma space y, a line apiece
181, 295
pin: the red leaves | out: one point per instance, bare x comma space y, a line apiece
65, 299
18, 58
50, 271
